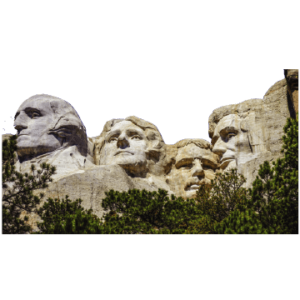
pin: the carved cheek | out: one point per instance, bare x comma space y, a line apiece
142, 145
232, 143
209, 174
182, 177
242, 144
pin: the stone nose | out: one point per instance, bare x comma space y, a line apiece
197, 169
219, 147
122, 142
21, 122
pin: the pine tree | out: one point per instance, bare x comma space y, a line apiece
17, 189
271, 205
67, 217
286, 179
147, 212
217, 201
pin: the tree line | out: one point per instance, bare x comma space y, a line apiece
225, 207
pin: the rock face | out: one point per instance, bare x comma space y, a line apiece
131, 153
90, 186
291, 76
246, 134
50, 130
135, 145
190, 163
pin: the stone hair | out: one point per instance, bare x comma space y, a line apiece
172, 150
201, 143
154, 138
251, 114
66, 117
241, 109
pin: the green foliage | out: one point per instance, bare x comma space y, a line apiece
17, 195
272, 205
216, 202
147, 212
286, 179
241, 221
67, 217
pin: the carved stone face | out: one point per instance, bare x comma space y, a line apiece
32, 121
230, 142
125, 145
193, 167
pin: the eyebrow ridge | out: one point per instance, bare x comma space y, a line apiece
184, 159
134, 131
204, 158
32, 109
118, 131
27, 109
114, 132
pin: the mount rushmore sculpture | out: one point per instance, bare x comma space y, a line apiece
131, 153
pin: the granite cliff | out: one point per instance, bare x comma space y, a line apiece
131, 153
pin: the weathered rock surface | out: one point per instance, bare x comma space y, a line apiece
48, 125
189, 164
246, 134
66, 160
90, 186
291, 76
137, 146
131, 153
250, 168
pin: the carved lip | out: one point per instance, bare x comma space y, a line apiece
123, 152
193, 186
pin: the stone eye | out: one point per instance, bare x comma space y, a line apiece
231, 134
113, 139
34, 115
135, 137
186, 166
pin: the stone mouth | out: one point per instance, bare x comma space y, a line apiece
124, 152
194, 186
